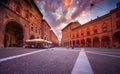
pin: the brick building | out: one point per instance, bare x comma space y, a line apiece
103, 31
21, 20
67, 33
54, 39
45, 30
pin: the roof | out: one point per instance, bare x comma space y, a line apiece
70, 24
46, 22
33, 2
92, 21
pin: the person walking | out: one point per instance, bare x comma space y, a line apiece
73, 47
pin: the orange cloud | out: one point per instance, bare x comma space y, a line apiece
67, 3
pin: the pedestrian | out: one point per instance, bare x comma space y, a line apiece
73, 47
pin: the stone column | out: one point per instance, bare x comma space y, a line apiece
100, 42
2, 33
85, 43
91, 42
111, 42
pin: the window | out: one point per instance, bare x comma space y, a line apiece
77, 35
31, 28
31, 15
118, 15
36, 30
95, 30
32, 37
73, 36
39, 31
88, 32
118, 24
82, 34
17, 9
104, 28
26, 16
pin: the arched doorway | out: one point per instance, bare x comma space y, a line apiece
13, 35
88, 42
96, 42
105, 42
73, 43
82, 42
116, 39
77, 43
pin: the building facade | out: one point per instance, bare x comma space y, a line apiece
46, 30
103, 31
49, 35
21, 20
115, 16
67, 33
54, 39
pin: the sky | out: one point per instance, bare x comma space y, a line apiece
59, 13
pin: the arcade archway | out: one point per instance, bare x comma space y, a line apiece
96, 42
82, 43
88, 42
105, 42
13, 35
116, 39
73, 43
77, 43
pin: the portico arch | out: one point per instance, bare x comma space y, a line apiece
116, 39
82, 42
14, 35
105, 42
88, 42
96, 42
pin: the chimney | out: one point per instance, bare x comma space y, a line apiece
118, 5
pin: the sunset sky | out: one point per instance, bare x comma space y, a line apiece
59, 13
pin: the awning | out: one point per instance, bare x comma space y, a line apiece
38, 41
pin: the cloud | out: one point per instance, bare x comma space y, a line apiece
67, 3
58, 13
